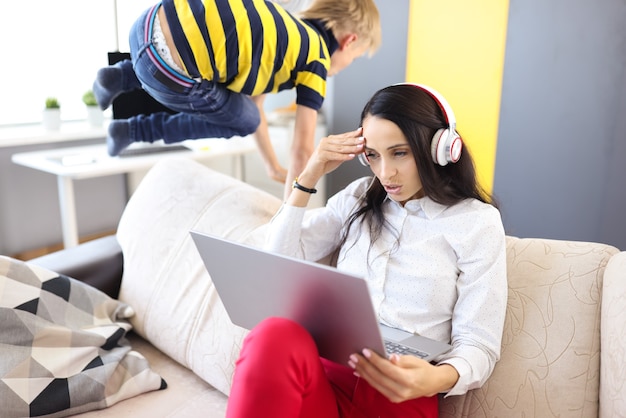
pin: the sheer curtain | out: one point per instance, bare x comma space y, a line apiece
55, 48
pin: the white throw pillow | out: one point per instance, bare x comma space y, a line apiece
176, 306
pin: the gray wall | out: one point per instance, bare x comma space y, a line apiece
560, 167
352, 87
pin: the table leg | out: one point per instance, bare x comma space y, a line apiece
238, 166
68, 211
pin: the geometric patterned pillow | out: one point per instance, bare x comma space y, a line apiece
63, 349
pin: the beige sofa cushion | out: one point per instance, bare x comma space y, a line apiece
176, 305
551, 343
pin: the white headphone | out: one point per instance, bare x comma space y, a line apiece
446, 144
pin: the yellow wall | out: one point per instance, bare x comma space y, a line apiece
457, 47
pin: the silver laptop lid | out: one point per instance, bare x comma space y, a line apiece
253, 284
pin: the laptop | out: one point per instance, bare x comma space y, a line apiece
334, 306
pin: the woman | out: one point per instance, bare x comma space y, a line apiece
431, 245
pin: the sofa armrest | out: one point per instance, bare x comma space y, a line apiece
613, 338
99, 263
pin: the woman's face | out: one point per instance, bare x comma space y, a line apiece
391, 159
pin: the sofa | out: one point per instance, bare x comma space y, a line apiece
564, 342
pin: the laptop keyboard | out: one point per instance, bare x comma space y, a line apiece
395, 348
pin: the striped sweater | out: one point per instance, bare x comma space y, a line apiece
252, 46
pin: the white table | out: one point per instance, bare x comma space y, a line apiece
76, 163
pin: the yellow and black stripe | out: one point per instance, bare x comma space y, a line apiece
252, 47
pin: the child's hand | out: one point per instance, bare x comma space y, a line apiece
278, 174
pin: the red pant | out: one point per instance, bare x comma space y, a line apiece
280, 374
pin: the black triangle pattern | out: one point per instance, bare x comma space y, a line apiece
55, 397
59, 286
113, 340
30, 306
96, 362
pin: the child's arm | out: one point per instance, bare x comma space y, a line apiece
262, 137
302, 145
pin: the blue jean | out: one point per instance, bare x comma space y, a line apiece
206, 109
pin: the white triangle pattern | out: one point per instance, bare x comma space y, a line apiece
64, 361
28, 388
14, 293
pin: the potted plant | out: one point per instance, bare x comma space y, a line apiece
52, 114
94, 114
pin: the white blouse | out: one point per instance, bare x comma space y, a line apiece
436, 271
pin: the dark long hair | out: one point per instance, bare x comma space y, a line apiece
418, 116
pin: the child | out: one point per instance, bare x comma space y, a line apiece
214, 60
431, 246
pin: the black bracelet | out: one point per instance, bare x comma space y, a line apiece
298, 186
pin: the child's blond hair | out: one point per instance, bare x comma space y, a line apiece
348, 16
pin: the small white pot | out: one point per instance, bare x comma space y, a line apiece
95, 117
51, 119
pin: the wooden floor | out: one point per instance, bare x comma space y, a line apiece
38, 252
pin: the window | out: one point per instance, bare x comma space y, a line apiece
55, 48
